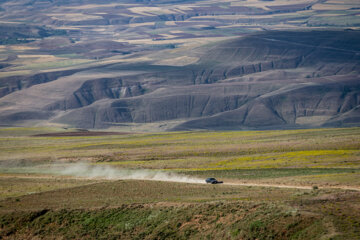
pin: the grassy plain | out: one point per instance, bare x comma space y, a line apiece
320, 168
191, 151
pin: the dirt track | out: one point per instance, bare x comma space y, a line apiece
353, 188
292, 186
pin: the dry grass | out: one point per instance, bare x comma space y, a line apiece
50, 63
95, 6
151, 11
328, 6
22, 48
191, 41
14, 73
15, 185
179, 61
73, 16
265, 4
116, 193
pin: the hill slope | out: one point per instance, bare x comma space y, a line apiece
275, 79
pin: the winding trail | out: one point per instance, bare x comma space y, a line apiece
293, 186
197, 181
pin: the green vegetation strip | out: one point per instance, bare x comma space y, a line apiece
269, 173
310, 148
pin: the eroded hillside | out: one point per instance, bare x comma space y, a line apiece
180, 64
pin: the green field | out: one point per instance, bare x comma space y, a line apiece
289, 184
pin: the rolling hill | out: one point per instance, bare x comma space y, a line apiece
180, 65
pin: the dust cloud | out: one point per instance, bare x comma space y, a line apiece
111, 173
